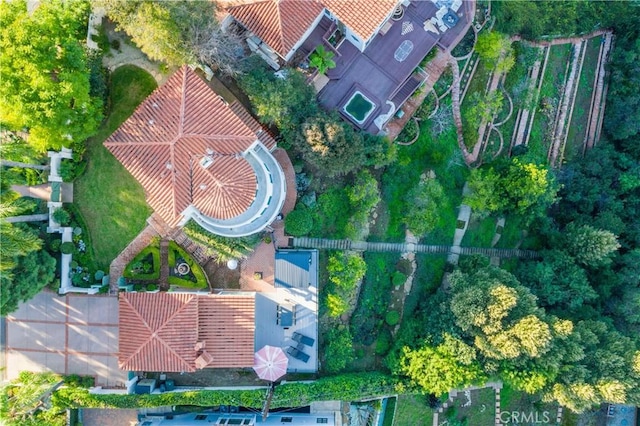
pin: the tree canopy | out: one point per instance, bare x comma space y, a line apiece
177, 32
44, 78
32, 273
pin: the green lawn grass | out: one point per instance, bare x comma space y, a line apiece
111, 201
412, 410
389, 411
479, 233
481, 412
512, 400
578, 126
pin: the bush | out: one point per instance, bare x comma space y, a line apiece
200, 279
104, 289
115, 44
338, 349
152, 287
298, 222
138, 287
383, 344
136, 269
336, 305
392, 318
55, 245
61, 216
68, 248
398, 279
98, 275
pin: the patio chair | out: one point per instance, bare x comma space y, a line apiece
297, 354
301, 338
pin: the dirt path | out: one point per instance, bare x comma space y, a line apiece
131, 55
469, 158
599, 95
566, 106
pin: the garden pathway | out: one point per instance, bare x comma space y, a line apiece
119, 263
496, 386
320, 243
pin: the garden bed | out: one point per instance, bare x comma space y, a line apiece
184, 271
146, 264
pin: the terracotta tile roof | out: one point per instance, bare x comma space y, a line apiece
227, 325
363, 17
162, 143
278, 23
159, 331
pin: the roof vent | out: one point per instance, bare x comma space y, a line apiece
206, 161
151, 122
168, 165
209, 151
155, 105
203, 186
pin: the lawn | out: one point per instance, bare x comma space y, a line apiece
480, 411
412, 410
480, 232
578, 127
111, 201
529, 405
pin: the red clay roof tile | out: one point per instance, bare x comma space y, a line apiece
162, 144
159, 331
279, 23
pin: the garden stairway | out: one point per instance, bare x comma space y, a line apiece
326, 244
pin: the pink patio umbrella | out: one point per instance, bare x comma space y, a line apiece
270, 363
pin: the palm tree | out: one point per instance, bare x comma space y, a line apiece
14, 240
322, 59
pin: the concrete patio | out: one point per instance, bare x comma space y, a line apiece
72, 334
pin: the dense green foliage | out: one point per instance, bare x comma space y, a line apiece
32, 272
425, 201
44, 75
222, 248
345, 270
146, 264
21, 400
524, 189
346, 387
338, 352
298, 222
196, 277
177, 32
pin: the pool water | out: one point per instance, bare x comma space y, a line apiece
359, 107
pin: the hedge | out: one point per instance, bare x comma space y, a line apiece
154, 274
196, 270
346, 387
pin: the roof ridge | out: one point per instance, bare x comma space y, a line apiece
144, 321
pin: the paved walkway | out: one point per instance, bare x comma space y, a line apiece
72, 334
497, 386
326, 244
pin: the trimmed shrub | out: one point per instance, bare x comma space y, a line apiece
398, 278
61, 216
135, 269
200, 279
68, 248
298, 222
383, 344
392, 318
152, 287
98, 275
55, 245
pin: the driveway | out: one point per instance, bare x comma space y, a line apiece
71, 334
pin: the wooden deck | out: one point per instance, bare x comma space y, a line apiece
378, 68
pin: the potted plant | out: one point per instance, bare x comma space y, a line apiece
322, 59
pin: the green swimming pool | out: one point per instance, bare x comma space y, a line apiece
359, 107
